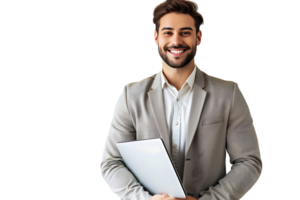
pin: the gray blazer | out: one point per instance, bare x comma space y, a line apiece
219, 120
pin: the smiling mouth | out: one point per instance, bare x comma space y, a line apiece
177, 52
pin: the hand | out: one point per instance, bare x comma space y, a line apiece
160, 197
186, 198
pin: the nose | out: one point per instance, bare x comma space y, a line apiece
176, 42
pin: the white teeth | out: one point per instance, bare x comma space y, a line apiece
177, 51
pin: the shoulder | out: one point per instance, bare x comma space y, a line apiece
214, 83
141, 87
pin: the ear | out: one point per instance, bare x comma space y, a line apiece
155, 37
199, 36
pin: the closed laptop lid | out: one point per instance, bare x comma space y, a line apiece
151, 164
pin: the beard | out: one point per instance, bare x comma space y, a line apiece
177, 63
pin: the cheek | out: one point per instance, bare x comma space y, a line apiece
162, 43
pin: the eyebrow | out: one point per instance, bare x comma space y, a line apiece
184, 28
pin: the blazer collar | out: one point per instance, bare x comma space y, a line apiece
199, 79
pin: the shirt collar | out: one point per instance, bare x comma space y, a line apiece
190, 80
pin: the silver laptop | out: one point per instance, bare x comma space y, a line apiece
151, 164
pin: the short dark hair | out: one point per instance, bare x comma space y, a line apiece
177, 6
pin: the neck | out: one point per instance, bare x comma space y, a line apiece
178, 76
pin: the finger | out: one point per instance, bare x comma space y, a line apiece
170, 198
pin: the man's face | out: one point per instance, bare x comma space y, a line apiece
177, 39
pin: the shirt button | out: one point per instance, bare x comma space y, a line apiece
176, 123
177, 99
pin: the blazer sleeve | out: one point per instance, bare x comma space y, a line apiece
242, 147
115, 173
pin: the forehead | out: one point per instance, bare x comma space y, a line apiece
176, 21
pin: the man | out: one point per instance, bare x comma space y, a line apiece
198, 116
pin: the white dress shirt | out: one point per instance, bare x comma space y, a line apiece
177, 109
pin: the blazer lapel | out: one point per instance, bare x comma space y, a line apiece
158, 108
196, 108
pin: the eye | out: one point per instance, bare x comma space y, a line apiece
167, 33
183, 32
